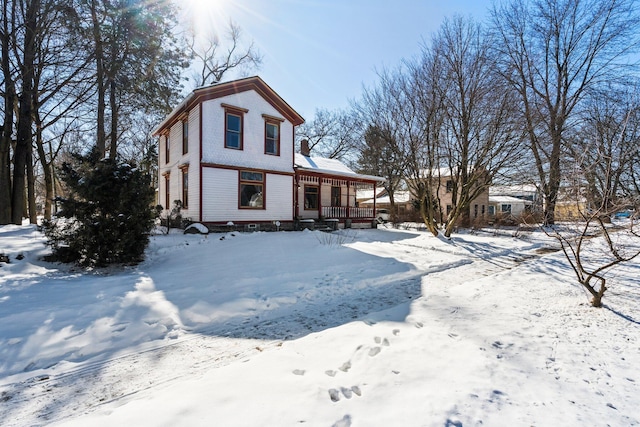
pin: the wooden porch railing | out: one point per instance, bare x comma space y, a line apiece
346, 212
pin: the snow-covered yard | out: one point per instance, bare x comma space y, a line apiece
356, 328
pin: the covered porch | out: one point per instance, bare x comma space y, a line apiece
325, 192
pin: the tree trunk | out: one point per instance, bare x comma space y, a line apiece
25, 117
101, 140
7, 126
113, 148
31, 187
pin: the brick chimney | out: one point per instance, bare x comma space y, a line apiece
304, 148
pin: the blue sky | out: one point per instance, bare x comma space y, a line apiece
319, 53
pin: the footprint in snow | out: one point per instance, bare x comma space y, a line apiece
348, 392
383, 341
345, 366
374, 351
343, 422
299, 372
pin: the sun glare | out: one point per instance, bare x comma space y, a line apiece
205, 17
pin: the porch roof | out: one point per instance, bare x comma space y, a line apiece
333, 167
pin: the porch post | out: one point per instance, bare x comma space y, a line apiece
348, 199
375, 194
319, 197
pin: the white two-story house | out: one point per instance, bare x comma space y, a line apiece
227, 153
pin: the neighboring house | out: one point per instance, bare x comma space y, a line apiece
227, 153
478, 208
443, 191
403, 201
508, 206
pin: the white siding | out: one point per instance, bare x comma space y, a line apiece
220, 197
252, 155
176, 160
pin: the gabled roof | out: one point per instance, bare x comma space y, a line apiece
219, 90
325, 166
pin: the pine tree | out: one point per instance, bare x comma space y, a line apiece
108, 215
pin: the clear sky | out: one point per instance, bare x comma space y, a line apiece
319, 53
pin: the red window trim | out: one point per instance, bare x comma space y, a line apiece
271, 121
185, 138
238, 112
263, 183
185, 194
167, 148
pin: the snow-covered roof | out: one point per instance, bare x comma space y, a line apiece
398, 197
330, 167
508, 190
508, 199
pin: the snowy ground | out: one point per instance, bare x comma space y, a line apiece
356, 328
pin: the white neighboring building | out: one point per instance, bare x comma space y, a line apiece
507, 205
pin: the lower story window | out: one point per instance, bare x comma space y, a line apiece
251, 190
185, 188
310, 197
167, 194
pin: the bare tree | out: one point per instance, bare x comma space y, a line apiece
333, 134
605, 146
417, 105
380, 154
24, 132
480, 132
551, 53
7, 40
592, 246
216, 57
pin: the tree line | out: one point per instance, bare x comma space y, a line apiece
83, 74
544, 92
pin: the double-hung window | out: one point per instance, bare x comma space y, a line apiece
272, 138
185, 136
185, 186
167, 191
251, 190
272, 135
234, 122
167, 148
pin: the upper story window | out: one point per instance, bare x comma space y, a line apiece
234, 122
449, 186
185, 136
272, 138
272, 135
